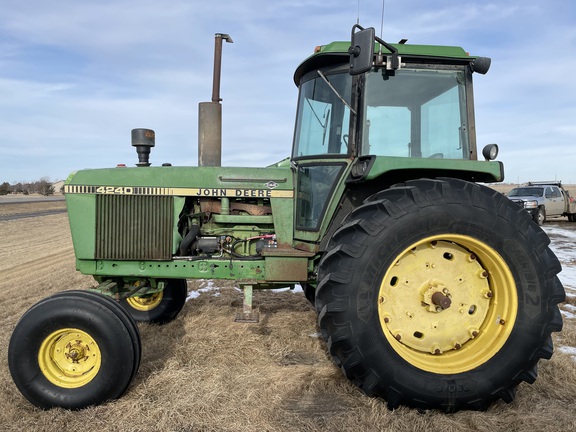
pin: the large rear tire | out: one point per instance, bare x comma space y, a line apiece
439, 294
73, 350
161, 307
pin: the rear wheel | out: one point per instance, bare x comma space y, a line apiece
73, 350
439, 294
161, 307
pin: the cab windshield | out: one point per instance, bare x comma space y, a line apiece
417, 113
535, 192
323, 119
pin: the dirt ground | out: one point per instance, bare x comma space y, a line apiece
203, 372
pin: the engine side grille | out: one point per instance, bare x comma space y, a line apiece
134, 227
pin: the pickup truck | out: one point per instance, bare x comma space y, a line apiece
544, 199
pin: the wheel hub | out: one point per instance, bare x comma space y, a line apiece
147, 302
436, 298
69, 358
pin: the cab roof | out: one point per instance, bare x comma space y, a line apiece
337, 52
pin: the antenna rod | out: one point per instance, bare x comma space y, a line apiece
382, 20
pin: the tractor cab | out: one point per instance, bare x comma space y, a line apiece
411, 101
373, 111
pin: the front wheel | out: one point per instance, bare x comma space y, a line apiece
540, 216
74, 349
161, 307
439, 294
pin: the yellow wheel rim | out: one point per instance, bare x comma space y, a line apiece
145, 303
448, 304
69, 358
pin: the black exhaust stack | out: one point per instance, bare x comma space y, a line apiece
210, 114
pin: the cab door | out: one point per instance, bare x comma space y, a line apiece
321, 154
316, 185
555, 201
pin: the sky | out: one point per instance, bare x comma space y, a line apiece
77, 76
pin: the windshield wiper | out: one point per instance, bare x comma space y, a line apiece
326, 117
335, 91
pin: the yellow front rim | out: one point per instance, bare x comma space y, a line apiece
448, 304
145, 303
69, 358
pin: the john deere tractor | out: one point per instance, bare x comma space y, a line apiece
432, 290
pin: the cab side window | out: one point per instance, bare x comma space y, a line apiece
552, 192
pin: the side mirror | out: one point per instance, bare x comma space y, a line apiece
362, 50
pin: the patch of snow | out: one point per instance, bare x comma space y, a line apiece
206, 285
567, 350
192, 295
297, 289
563, 244
571, 351
557, 230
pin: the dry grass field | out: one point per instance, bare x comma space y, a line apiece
203, 372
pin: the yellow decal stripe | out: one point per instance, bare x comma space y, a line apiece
199, 192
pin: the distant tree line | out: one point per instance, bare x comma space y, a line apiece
42, 187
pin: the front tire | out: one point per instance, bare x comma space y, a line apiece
309, 292
161, 307
540, 216
72, 350
439, 294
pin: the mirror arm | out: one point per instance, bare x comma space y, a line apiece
394, 62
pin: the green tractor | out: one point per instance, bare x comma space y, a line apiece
432, 290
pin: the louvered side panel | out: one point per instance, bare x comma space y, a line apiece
133, 227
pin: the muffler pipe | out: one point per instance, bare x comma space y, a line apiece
210, 114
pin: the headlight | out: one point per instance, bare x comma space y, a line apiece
490, 151
530, 204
